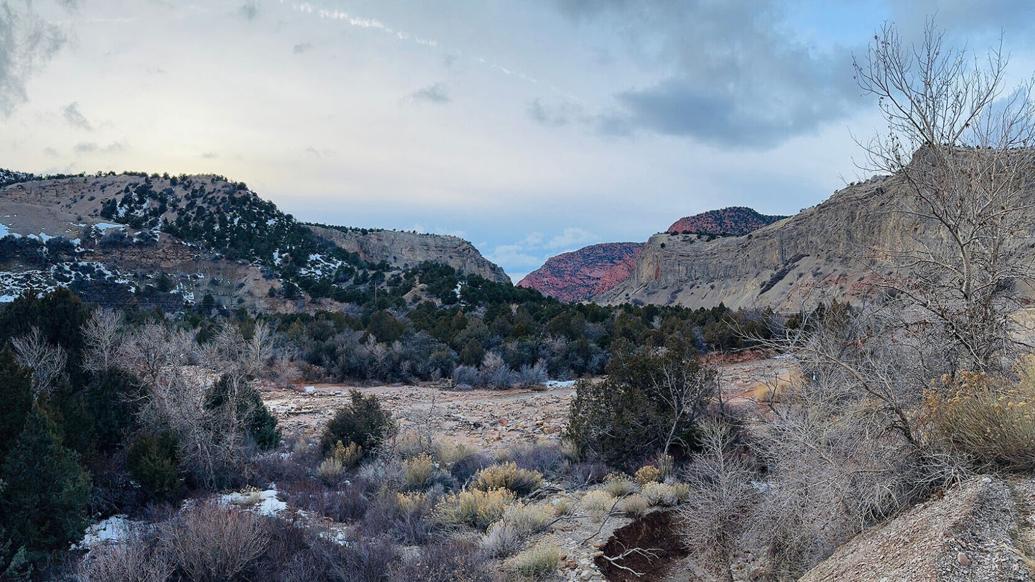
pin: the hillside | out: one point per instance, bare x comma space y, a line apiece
830, 250
581, 274
404, 250
594, 270
173, 240
821, 250
731, 221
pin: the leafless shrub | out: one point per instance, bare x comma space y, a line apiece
213, 543
721, 500
133, 560
454, 560
102, 334
46, 361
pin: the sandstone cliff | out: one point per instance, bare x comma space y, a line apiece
402, 250
827, 250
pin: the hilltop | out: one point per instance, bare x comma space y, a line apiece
164, 240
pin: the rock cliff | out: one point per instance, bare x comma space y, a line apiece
402, 249
828, 250
581, 274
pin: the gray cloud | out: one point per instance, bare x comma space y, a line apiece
249, 10
27, 42
555, 114
1011, 17
75, 118
89, 147
730, 75
302, 47
432, 94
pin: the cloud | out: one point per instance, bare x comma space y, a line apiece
569, 237
89, 147
435, 93
555, 114
533, 250
726, 73
75, 118
27, 42
302, 47
51, 152
514, 256
1013, 18
209, 156
249, 10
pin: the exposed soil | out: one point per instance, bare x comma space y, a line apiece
655, 534
495, 419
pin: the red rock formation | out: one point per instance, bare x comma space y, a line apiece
581, 274
732, 221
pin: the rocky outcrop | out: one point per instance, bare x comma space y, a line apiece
402, 250
834, 249
594, 270
969, 534
581, 274
732, 221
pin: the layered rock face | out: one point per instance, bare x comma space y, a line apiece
402, 250
827, 250
581, 274
594, 270
732, 221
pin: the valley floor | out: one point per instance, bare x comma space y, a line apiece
495, 419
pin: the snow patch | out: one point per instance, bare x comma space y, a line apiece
105, 226
113, 530
262, 502
559, 383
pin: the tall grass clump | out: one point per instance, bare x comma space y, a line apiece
989, 421
508, 476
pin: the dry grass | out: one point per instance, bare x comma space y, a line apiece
342, 457
665, 494
537, 562
634, 505
418, 471
519, 521
619, 485
508, 476
988, 420
597, 503
647, 474
474, 508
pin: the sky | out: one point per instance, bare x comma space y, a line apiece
529, 127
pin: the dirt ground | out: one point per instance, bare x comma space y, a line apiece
495, 419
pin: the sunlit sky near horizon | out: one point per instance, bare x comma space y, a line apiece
528, 127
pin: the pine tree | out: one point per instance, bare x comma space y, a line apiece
44, 505
16, 396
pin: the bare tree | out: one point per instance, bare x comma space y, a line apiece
722, 496
685, 388
102, 334
961, 148
46, 361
